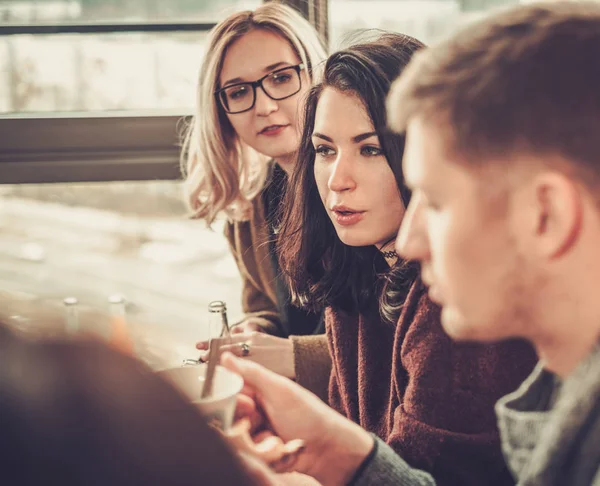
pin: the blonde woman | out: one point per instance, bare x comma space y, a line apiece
237, 155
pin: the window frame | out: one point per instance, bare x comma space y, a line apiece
90, 147
103, 146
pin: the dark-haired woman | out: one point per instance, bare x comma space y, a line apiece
394, 371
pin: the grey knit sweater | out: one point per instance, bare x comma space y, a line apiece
550, 431
550, 428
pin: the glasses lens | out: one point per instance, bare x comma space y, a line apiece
282, 83
237, 98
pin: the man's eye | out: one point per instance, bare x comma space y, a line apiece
324, 151
371, 151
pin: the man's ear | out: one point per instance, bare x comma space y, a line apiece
558, 213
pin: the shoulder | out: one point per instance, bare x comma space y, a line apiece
336, 316
254, 215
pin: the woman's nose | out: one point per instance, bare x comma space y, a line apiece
264, 105
342, 177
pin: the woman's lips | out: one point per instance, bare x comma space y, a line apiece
347, 217
273, 130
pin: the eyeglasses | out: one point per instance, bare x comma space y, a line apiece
277, 85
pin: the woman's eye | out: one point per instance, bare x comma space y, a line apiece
236, 94
371, 151
281, 78
324, 151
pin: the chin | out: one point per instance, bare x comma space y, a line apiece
354, 240
279, 151
461, 329
456, 325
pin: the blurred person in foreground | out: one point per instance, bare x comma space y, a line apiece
502, 155
77, 412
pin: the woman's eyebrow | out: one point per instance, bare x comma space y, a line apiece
324, 137
267, 69
355, 139
363, 136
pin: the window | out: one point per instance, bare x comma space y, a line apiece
427, 20
79, 72
147, 59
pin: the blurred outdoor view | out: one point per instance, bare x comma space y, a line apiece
125, 71
91, 241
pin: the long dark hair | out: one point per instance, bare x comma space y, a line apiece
320, 269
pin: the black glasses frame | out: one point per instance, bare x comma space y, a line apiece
259, 83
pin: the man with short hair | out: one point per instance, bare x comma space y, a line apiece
503, 156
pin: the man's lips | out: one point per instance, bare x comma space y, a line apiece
272, 129
432, 289
433, 292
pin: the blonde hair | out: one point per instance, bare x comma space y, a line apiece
222, 173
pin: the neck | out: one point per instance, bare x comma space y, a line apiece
388, 252
562, 353
568, 312
286, 162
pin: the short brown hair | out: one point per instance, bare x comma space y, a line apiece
525, 80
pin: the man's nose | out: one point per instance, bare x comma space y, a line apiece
412, 242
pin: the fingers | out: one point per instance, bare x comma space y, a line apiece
280, 456
291, 452
231, 363
239, 333
239, 329
246, 410
235, 348
265, 382
247, 326
270, 448
258, 471
251, 351
245, 407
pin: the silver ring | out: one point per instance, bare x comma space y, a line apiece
245, 349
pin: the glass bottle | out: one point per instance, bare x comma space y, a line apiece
218, 326
119, 335
71, 315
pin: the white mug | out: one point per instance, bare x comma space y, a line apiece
219, 407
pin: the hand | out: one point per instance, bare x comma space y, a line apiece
274, 353
334, 446
247, 326
267, 460
263, 476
